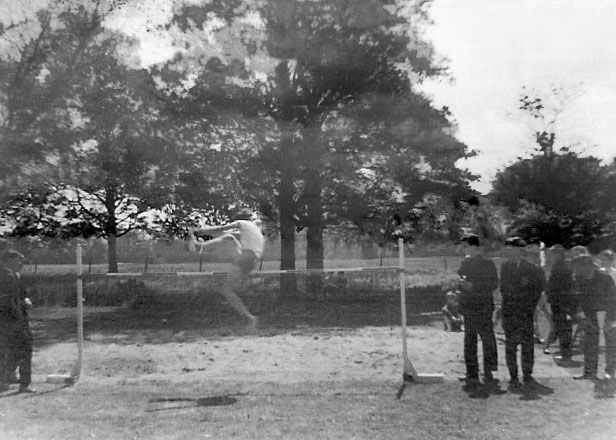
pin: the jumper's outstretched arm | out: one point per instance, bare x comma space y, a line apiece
193, 243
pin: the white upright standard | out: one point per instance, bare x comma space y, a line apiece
409, 374
73, 377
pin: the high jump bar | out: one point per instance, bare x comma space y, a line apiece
262, 272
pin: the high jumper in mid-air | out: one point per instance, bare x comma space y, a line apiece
247, 243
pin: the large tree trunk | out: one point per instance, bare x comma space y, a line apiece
112, 253
314, 231
111, 230
286, 206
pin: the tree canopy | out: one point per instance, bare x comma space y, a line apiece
309, 111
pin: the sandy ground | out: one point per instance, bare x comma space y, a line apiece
300, 355
158, 379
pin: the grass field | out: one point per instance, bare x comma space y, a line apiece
314, 370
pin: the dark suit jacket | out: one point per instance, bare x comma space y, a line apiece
521, 286
482, 273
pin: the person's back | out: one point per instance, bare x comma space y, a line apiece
594, 292
521, 285
478, 280
560, 283
10, 310
481, 272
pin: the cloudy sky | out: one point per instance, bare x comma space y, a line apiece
497, 47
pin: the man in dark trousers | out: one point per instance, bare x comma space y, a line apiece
478, 280
16, 336
596, 292
559, 290
521, 284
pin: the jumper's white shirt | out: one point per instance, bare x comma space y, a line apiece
250, 236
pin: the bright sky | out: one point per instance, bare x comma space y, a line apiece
496, 47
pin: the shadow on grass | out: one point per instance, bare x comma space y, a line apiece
534, 391
212, 317
174, 403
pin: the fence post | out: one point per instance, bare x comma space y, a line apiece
77, 366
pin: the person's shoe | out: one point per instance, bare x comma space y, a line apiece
490, 380
562, 358
585, 376
514, 385
472, 384
547, 351
538, 339
26, 389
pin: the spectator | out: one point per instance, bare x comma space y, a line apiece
559, 295
577, 251
16, 336
452, 319
605, 261
596, 292
478, 279
521, 284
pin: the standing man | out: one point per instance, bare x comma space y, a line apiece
596, 292
521, 283
559, 292
478, 279
247, 243
15, 333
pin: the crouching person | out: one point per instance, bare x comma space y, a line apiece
452, 319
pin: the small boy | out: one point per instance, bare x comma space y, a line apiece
452, 320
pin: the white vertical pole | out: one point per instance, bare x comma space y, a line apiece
77, 366
408, 369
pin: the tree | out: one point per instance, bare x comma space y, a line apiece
344, 77
39, 54
327, 91
557, 196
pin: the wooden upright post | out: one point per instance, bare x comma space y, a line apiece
409, 374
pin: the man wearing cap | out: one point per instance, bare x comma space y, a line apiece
521, 284
247, 243
15, 333
478, 280
559, 291
596, 291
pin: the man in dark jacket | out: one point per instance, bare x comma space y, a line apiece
478, 280
15, 333
521, 284
596, 292
560, 297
